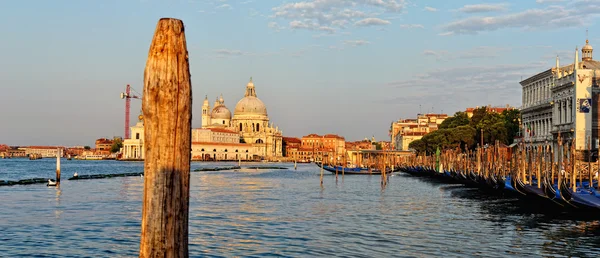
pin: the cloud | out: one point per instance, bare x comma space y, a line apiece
548, 1
571, 15
274, 26
478, 8
464, 86
356, 43
229, 52
371, 22
333, 15
224, 6
310, 26
430, 9
412, 26
479, 52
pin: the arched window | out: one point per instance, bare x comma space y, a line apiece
223, 121
236, 150
259, 141
202, 150
246, 151
225, 150
215, 150
241, 127
253, 127
258, 127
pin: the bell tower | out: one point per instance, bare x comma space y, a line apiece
205, 112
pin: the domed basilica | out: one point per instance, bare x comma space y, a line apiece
246, 136
250, 120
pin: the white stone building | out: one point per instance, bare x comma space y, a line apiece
219, 144
133, 149
250, 120
246, 136
562, 100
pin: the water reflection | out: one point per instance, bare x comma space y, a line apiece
58, 210
284, 213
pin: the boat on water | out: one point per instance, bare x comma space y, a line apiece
352, 170
91, 157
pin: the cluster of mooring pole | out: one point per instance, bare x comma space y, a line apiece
383, 163
561, 175
166, 105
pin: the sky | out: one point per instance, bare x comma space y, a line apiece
347, 67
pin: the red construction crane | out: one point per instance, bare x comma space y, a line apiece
127, 96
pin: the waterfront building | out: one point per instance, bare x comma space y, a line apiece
103, 146
246, 136
44, 151
404, 131
313, 146
250, 120
403, 139
13, 152
562, 100
133, 148
219, 144
290, 145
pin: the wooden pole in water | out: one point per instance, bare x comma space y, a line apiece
166, 104
57, 166
322, 164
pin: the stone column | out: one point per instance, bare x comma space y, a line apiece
570, 110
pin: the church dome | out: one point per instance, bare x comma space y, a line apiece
587, 46
220, 112
250, 105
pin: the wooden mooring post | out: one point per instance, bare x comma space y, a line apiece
166, 104
57, 166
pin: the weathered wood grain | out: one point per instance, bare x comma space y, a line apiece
166, 105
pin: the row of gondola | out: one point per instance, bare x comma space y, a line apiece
531, 173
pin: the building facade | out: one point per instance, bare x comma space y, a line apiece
314, 146
250, 120
219, 144
404, 131
133, 148
291, 145
246, 136
44, 151
563, 100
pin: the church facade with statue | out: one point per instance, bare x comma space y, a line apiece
247, 135
250, 121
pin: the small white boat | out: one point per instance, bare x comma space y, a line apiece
51, 182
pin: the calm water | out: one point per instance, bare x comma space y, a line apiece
279, 213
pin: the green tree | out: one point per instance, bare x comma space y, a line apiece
464, 136
459, 119
493, 127
418, 145
511, 122
478, 115
86, 147
116, 146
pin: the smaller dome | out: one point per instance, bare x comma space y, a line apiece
220, 112
587, 46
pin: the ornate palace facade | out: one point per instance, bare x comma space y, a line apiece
563, 100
